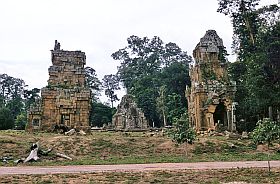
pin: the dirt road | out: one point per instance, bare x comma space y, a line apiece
132, 167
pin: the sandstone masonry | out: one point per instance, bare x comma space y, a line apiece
66, 100
210, 97
129, 116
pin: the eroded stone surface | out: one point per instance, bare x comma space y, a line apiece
210, 97
129, 116
66, 100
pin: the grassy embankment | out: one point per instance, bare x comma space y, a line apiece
120, 148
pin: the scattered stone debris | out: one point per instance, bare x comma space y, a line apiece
63, 156
70, 132
234, 136
81, 132
73, 132
232, 146
34, 154
6, 159
244, 135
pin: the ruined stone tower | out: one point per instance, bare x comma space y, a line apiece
66, 100
129, 116
210, 97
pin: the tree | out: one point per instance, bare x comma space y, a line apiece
245, 22
256, 41
111, 84
174, 107
182, 133
266, 132
176, 77
31, 96
92, 82
21, 121
6, 119
161, 104
101, 114
11, 93
144, 68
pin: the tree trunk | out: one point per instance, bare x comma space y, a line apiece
270, 113
164, 119
186, 149
268, 158
278, 115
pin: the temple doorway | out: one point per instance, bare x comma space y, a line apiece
220, 115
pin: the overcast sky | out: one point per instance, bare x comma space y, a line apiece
28, 29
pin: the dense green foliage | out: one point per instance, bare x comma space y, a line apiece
147, 65
156, 74
14, 100
93, 83
266, 131
6, 119
101, 114
256, 40
21, 120
182, 132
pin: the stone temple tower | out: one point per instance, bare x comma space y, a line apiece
66, 100
210, 97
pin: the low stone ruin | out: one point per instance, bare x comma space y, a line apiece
129, 116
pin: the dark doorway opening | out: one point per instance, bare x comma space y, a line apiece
65, 119
220, 115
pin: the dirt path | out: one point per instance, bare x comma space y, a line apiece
133, 167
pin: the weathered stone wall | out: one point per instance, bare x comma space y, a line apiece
211, 93
66, 100
129, 116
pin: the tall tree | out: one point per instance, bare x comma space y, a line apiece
31, 96
6, 119
92, 82
144, 69
11, 93
111, 84
256, 41
101, 114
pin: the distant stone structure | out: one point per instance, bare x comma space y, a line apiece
65, 102
129, 116
210, 97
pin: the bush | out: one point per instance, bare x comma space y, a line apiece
266, 131
6, 119
21, 121
182, 132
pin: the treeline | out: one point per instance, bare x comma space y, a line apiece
156, 74
256, 41
15, 100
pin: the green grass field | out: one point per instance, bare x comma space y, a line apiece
121, 148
